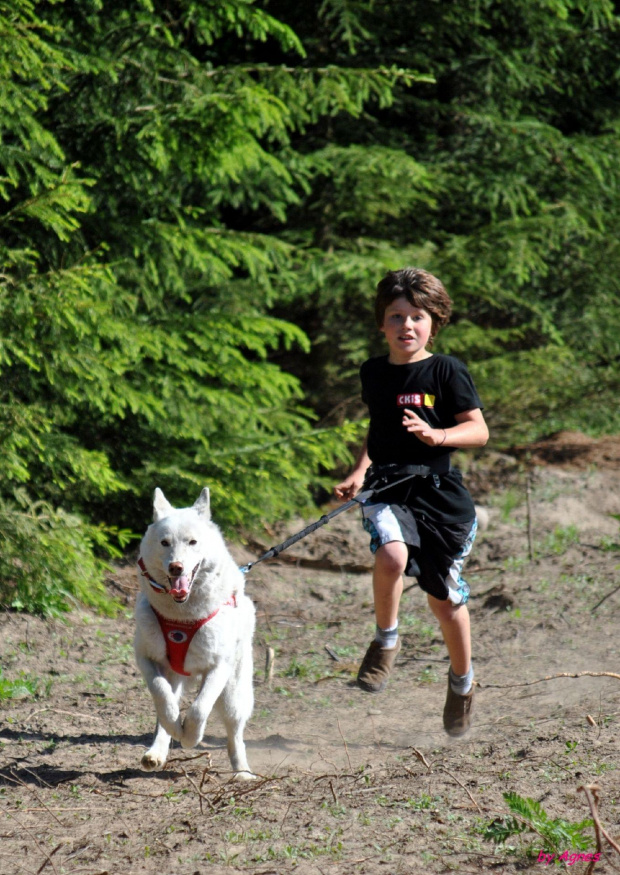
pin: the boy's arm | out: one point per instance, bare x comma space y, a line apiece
470, 431
353, 483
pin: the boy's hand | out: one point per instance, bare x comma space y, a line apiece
350, 487
432, 437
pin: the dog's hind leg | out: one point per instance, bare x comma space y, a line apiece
236, 748
235, 707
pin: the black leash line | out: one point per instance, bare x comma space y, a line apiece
358, 500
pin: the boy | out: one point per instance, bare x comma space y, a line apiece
422, 407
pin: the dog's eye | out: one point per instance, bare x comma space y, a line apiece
165, 543
193, 543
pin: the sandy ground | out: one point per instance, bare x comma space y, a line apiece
349, 782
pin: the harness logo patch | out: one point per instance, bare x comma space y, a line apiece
177, 636
415, 399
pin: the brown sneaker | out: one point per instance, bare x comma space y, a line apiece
457, 711
376, 667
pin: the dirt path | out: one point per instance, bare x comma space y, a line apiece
350, 782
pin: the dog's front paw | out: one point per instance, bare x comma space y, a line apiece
193, 730
151, 761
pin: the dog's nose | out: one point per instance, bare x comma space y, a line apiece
175, 569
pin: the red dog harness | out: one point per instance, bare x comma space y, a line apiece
179, 633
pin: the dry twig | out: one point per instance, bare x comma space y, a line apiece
218, 798
346, 749
552, 677
419, 755
189, 759
12, 777
591, 793
48, 857
604, 599
58, 711
454, 778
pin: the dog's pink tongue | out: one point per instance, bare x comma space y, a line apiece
180, 587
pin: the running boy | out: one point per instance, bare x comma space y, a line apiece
422, 407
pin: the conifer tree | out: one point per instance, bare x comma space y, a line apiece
197, 201
143, 146
497, 171
61, 332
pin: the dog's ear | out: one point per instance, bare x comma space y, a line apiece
202, 505
161, 506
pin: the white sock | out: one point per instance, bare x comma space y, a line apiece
461, 684
387, 637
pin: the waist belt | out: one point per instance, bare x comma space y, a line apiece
382, 474
440, 465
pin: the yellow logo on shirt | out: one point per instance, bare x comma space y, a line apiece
415, 399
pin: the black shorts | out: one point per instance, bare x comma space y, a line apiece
437, 551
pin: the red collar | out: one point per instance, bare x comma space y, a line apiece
158, 587
178, 635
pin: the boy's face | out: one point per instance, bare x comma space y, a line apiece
407, 330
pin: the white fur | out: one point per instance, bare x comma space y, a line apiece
219, 658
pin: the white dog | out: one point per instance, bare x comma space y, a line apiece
193, 621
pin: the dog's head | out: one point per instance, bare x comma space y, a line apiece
177, 543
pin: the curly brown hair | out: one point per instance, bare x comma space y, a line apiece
421, 289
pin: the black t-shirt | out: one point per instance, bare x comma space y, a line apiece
436, 388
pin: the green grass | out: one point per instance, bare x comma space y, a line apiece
23, 687
507, 502
560, 539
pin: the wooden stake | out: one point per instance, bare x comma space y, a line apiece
528, 497
270, 658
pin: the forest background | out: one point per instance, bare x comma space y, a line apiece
197, 200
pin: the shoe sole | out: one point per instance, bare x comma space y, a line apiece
371, 688
458, 734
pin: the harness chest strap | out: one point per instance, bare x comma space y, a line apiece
178, 635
